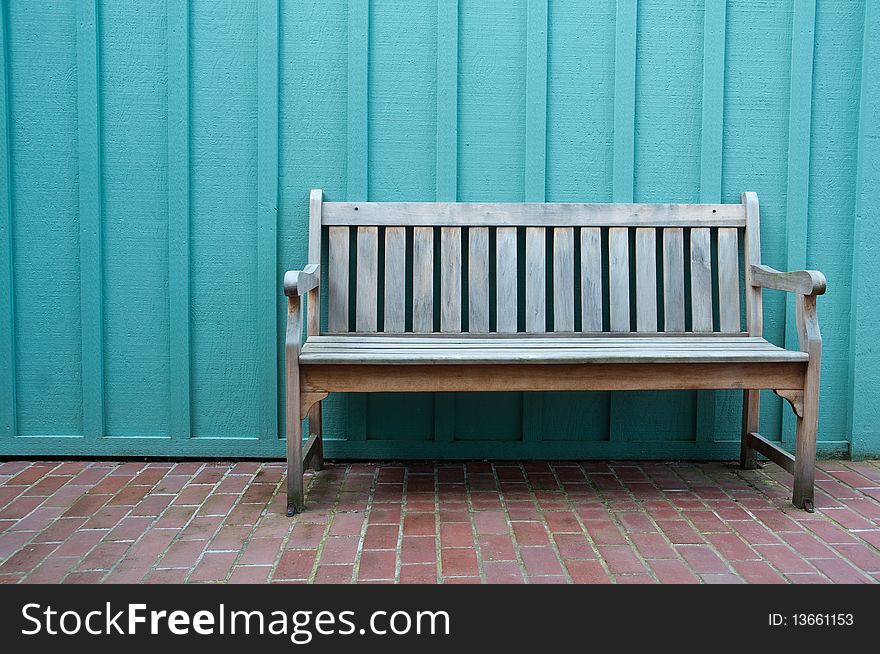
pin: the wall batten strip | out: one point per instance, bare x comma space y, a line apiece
711, 144
91, 301
8, 427
267, 214
179, 218
535, 183
358, 76
622, 174
798, 180
447, 161
863, 415
357, 184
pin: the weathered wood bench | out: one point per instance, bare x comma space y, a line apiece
391, 328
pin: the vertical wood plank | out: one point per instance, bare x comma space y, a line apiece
179, 219
728, 280
267, 214
366, 301
423, 280
618, 279
535, 189
711, 142
673, 279
536, 300
478, 280
563, 279
337, 283
316, 200
91, 266
591, 279
752, 256
395, 271
798, 174
505, 279
8, 428
450, 279
646, 279
864, 355
701, 280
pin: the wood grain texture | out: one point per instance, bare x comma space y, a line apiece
673, 280
701, 280
337, 283
536, 295
591, 279
728, 280
618, 275
366, 283
478, 280
506, 279
395, 274
313, 318
646, 280
450, 279
423, 279
563, 279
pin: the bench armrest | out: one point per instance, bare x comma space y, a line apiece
300, 282
805, 282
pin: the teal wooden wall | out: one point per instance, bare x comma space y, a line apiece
157, 157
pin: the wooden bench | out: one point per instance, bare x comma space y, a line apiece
644, 296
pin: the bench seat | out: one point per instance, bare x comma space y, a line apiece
455, 349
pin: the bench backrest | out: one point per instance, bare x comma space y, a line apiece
526, 267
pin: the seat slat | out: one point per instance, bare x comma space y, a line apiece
618, 275
701, 280
423, 280
450, 279
646, 279
338, 275
366, 306
395, 271
505, 279
478, 280
728, 280
673, 279
563, 279
536, 293
591, 279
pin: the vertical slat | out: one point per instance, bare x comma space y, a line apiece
591, 279
366, 302
450, 279
395, 271
337, 283
728, 280
423, 280
798, 174
752, 256
646, 279
179, 218
563, 279
505, 279
478, 280
673, 279
864, 355
701, 280
316, 198
711, 142
536, 300
8, 427
618, 278
267, 214
88, 66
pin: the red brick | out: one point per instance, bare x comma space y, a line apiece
807, 545
491, 522
680, 532
672, 571
634, 522
52, 570
540, 560
841, 572
334, 574
653, 546
732, 547
604, 532
381, 537
419, 524
418, 549
80, 542
421, 573
60, 530
530, 533
339, 549
27, 558
261, 551
497, 547
250, 574
152, 505
305, 535
862, 556
702, 559
784, 559
183, 554
214, 566
295, 564
377, 564
385, 515
620, 559
458, 562
758, 572
347, 524
587, 572
574, 546
104, 556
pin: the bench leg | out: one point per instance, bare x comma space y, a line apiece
316, 462
805, 451
751, 413
293, 423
